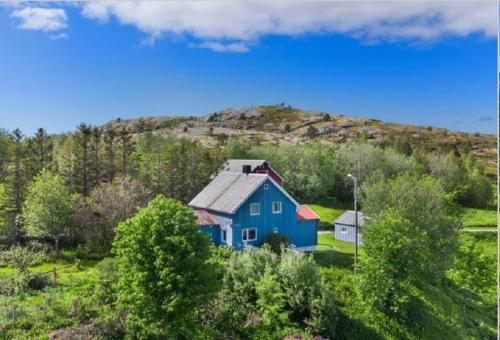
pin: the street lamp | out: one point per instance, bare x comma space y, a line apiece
355, 220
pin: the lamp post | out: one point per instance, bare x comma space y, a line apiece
355, 220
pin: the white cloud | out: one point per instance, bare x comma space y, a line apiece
42, 19
225, 47
232, 26
59, 36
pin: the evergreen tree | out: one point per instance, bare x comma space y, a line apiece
82, 146
109, 141
126, 148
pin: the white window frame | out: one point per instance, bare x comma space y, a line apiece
257, 204
343, 230
277, 211
247, 231
275, 230
266, 186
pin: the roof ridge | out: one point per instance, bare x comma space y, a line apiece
225, 189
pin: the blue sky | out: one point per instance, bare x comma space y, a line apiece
65, 64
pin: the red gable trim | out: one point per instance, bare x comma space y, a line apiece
306, 214
205, 218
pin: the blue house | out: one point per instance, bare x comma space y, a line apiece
244, 205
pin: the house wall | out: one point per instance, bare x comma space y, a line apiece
305, 233
348, 235
213, 232
267, 170
266, 221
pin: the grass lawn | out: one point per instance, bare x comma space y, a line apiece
328, 213
479, 218
84, 269
333, 252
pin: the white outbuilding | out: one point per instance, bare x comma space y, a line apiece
345, 227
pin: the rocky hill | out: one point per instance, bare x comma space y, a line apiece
281, 125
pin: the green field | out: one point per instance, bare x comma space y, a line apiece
332, 252
471, 217
328, 213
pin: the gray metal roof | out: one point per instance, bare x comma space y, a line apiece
236, 165
227, 191
348, 218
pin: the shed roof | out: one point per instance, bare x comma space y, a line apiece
348, 218
205, 218
306, 214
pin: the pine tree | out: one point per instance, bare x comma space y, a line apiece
126, 148
15, 183
95, 164
82, 156
109, 141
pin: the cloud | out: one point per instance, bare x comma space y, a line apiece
233, 25
41, 19
59, 36
225, 47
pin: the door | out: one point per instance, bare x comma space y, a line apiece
228, 231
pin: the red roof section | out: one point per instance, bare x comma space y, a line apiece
205, 218
306, 214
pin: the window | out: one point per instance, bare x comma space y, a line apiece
254, 209
275, 230
249, 234
343, 230
266, 186
276, 207
224, 235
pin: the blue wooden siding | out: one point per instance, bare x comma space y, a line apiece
305, 233
299, 233
213, 232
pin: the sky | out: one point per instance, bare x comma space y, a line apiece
425, 63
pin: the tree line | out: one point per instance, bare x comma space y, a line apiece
85, 161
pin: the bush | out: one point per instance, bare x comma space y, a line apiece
165, 273
276, 242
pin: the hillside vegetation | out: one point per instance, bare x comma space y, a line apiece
285, 125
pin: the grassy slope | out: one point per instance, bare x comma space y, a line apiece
328, 213
37, 313
479, 218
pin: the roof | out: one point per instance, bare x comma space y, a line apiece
306, 214
236, 165
205, 218
228, 191
348, 218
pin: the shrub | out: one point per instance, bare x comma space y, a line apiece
276, 242
165, 273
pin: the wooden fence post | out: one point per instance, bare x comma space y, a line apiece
54, 276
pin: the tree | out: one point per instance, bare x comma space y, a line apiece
392, 254
95, 164
271, 305
403, 146
97, 216
165, 273
82, 155
15, 184
109, 141
47, 208
43, 148
126, 148
312, 131
429, 210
